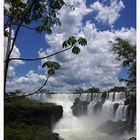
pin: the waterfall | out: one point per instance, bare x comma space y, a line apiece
112, 106
85, 97
119, 96
108, 108
101, 107
121, 113
111, 96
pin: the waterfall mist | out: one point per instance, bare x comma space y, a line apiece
85, 127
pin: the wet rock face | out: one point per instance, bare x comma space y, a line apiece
115, 107
133, 138
131, 114
104, 96
130, 101
98, 106
79, 107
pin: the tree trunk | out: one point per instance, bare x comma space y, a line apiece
7, 56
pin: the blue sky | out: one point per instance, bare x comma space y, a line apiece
103, 24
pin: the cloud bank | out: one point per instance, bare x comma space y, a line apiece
95, 65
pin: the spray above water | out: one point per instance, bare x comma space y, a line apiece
103, 112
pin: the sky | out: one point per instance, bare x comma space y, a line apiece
99, 21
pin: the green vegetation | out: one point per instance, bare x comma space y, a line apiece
93, 90
117, 89
90, 90
29, 120
126, 54
78, 91
97, 90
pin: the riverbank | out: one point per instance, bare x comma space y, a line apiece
30, 120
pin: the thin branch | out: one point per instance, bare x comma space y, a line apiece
25, 26
25, 95
40, 58
37, 89
31, 28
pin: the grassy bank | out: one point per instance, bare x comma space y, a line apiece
29, 120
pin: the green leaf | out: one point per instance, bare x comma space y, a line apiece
56, 4
39, 29
27, 21
51, 65
17, 13
64, 45
36, 6
49, 30
82, 41
56, 65
47, 64
76, 50
45, 20
27, 8
51, 71
71, 40
34, 17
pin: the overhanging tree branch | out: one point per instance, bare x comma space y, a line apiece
25, 26
38, 89
28, 27
40, 58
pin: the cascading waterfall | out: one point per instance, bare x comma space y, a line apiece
101, 108
112, 107
121, 112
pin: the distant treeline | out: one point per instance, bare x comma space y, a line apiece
81, 90
97, 90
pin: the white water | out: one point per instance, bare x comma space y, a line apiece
84, 127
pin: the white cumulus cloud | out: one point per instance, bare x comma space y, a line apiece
30, 82
95, 65
108, 13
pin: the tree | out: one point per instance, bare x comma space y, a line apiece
44, 13
78, 91
126, 54
93, 90
117, 89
